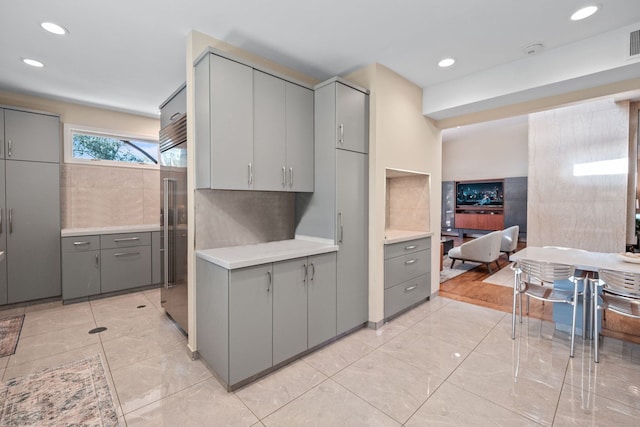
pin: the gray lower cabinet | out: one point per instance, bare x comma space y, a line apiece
407, 278
253, 318
80, 266
250, 321
157, 275
92, 265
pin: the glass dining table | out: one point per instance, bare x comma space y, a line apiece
582, 260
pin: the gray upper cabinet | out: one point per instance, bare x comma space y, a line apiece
289, 308
269, 143
253, 129
224, 124
299, 107
352, 113
1, 133
31, 136
32, 223
250, 321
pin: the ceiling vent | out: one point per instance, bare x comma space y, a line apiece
633, 52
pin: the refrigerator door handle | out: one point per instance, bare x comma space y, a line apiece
165, 230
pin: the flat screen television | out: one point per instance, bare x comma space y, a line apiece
480, 194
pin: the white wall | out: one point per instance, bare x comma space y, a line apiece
400, 137
496, 149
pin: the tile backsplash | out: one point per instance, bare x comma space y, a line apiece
407, 203
103, 196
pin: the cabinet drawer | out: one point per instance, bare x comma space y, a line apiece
125, 240
125, 268
401, 248
406, 294
80, 243
405, 267
173, 108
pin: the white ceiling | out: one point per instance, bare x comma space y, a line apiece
129, 55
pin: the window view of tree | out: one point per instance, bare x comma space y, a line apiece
87, 146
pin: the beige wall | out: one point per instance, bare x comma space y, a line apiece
99, 196
400, 137
496, 149
586, 212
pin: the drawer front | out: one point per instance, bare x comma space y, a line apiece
406, 294
125, 268
405, 267
401, 248
125, 240
80, 243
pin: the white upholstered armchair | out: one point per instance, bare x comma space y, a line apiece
509, 240
484, 249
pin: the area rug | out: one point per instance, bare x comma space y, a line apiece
76, 393
10, 328
458, 268
503, 277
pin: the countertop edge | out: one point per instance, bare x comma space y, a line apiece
407, 237
89, 231
293, 253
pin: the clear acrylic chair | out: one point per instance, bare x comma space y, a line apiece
536, 279
620, 294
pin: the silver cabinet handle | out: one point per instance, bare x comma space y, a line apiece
121, 254
250, 171
410, 261
269, 282
341, 234
408, 248
313, 271
290, 177
97, 260
10, 221
9, 147
306, 272
0, 220
80, 243
284, 176
410, 288
1, 147
127, 239
175, 116
165, 232
341, 139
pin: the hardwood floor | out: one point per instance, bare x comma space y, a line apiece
469, 287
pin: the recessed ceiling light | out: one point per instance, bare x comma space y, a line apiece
54, 28
446, 62
33, 62
583, 13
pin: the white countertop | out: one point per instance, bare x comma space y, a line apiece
263, 253
396, 236
88, 231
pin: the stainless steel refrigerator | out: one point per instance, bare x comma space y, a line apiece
173, 215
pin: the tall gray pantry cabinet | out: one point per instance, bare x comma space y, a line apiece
29, 205
338, 207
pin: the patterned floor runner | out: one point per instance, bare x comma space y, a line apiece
10, 328
76, 393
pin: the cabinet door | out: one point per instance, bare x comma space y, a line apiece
250, 321
32, 223
125, 268
31, 136
299, 106
2, 134
231, 97
321, 299
156, 258
80, 274
352, 113
269, 143
352, 225
3, 236
289, 308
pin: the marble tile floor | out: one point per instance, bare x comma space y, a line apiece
443, 363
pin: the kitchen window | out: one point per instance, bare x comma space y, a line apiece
109, 148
